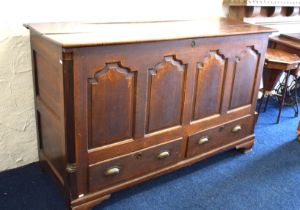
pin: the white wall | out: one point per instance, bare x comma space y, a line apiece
17, 124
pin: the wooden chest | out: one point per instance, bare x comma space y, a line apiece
120, 103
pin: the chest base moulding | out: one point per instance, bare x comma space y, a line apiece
120, 103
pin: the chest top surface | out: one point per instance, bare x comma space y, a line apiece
75, 34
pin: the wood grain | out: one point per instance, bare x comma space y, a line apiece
115, 96
89, 34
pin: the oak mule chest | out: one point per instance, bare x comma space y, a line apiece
120, 103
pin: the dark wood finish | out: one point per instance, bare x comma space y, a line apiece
210, 77
120, 102
292, 36
245, 73
166, 88
290, 43
213, 138
49, 103
277, 61
116, 111
271, 13
271, 78
245, 147
97, 33
281, 60
286, 41
90, 204
133, 165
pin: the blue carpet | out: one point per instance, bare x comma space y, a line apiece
267, 178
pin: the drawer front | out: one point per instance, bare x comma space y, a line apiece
213, 138
113, 171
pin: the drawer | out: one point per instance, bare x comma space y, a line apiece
113, 171
213, 138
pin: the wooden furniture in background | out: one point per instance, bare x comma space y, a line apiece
117, 104
278, 61
281, 15
289, 43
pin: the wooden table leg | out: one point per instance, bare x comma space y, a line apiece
283, 95
261, 100
296, 96
267, 101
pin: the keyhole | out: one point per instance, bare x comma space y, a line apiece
193, 44
138, 156
221, 128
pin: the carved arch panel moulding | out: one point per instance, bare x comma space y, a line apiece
111, 102
245, 72
165, 97
210, 77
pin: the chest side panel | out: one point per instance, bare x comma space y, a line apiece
49, 103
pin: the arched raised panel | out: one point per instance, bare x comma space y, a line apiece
244, 77
166, 94
209, 86
111, 104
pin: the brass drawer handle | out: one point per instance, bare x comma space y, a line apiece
112, 171
237, 128
203, 140
163, 155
